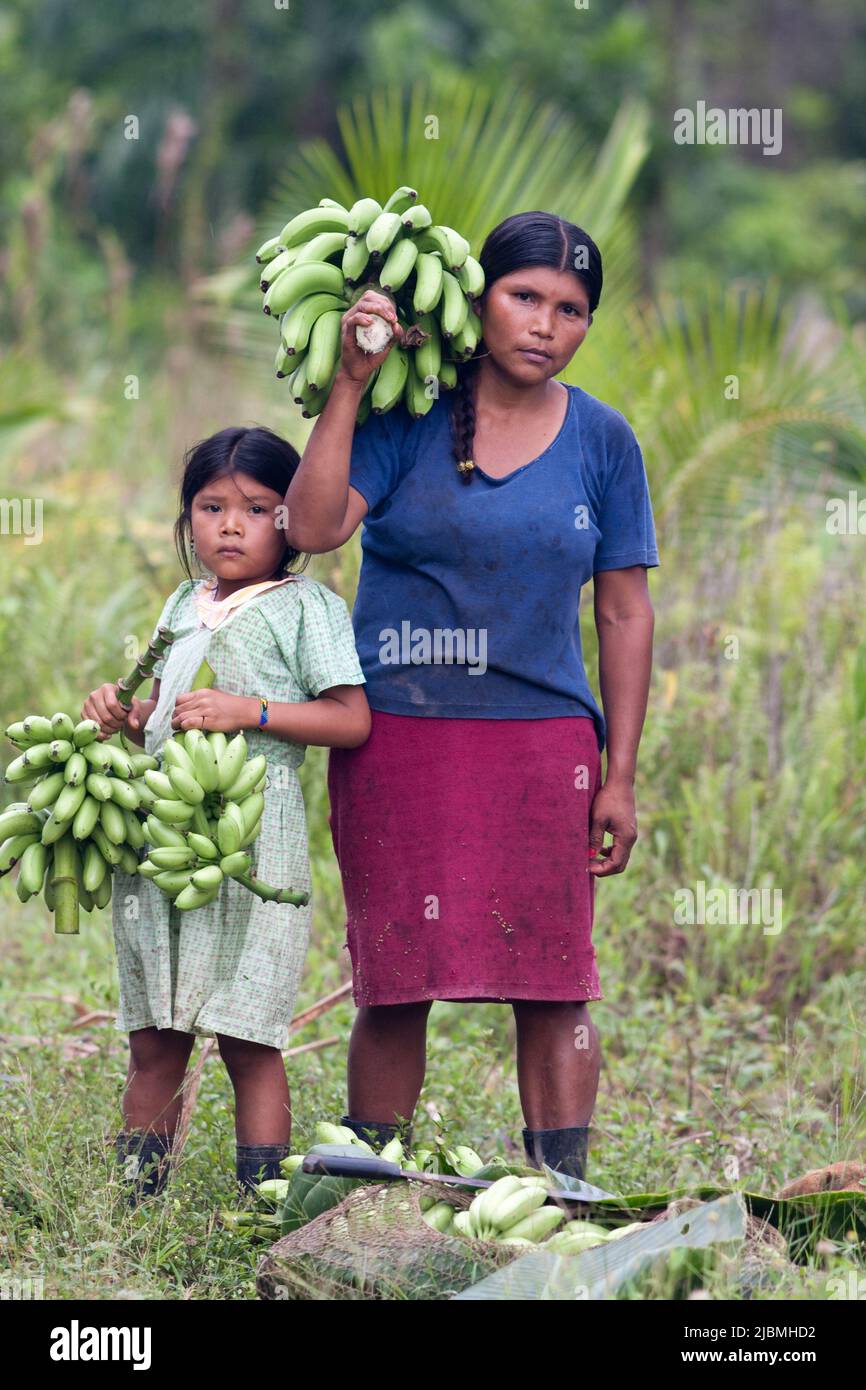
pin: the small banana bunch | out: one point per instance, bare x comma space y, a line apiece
510, 1210
79, 821
322, 262
205, 806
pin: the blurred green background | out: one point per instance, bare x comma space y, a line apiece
131, 327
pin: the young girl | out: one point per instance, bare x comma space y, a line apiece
287, 674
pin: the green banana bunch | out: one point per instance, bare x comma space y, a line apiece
82, 819
512, 1209
324, 259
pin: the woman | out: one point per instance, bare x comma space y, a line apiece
465, 826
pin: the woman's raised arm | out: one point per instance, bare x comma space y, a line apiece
323, 510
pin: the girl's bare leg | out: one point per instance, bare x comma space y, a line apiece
263, 1113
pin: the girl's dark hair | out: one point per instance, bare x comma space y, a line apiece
265, 456
526, 239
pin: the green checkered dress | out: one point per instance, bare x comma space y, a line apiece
234, 966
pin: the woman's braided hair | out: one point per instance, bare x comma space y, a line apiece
526, 239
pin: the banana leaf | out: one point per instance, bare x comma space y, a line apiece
802, 1220
684, 1242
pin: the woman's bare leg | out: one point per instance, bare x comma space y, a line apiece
558, 1063
387, 1061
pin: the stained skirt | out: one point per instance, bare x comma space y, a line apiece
463, 847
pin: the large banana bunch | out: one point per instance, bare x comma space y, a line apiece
81, 819
205, 805
511, 1210
322, 262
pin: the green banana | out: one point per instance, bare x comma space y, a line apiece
452, 247
199, 822
382, 233
324, 348
62, 726
211, 876
321, 247
466, 341
514, 1206
107, 848
296, 327
120, 762
172, 812
175, 858
308, 224
31, 870
98, 758
68, 802
86, 817
203, 846
251, 809
470, 277
95, 867
141, 762
276, 267
18, 734
18, 822
483, 1206
234, 864
40, 755
175, 754
391, 379
362, 215
428, 356
298, 384
332, 203
252, 834
191, 897
53, 829
538, 1224
37, 728
162, 835
428, 282
173, 880
269, 249
186, 786
231, 762
440, 1217
315, 404
85, 733
418, 402
46, 791
60, 749
12, 849
19, 770
206, 765
298, 281
98, 785
401, 199
161, 786
149, 870
134, 830
124, 793
454, 306
230, 829
416, 218
355, 260
447, 375
250, 774
112, 822
75, 769
102, 894
398, 264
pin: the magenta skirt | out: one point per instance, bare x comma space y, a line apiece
463, 846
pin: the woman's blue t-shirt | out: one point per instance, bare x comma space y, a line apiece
469, 593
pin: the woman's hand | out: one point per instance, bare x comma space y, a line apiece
211, 709
355, 363
103, 705
613, 809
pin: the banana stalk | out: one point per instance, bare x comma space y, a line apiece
64, 885
127, 686
268, 894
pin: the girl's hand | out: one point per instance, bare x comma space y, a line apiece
355, 363
104, 706
613, 810
210, 709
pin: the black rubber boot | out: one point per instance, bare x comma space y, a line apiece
146, 1163
377, 1133
257, 1162
562, 1149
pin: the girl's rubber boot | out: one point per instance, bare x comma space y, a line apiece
562, 1149
146, 1162
377, 1133
257, 1162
